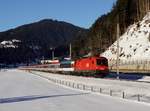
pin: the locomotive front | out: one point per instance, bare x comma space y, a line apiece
93, 65
102, 66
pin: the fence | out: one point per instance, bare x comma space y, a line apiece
130, 62
97, 89
131, 65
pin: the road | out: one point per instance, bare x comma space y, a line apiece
22, 91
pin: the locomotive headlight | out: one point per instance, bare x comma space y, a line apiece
101, 68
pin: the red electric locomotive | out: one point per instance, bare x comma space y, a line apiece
92, 65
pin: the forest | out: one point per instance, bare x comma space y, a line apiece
103, 31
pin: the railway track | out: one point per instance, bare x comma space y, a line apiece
135, 77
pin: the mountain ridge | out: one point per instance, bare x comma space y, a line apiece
36, 40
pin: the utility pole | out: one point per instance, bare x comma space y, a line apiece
43, 60
117, 62
70, 51
53, 54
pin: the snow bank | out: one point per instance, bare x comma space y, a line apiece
131, 89
134, 43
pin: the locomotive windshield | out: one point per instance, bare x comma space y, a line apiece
102, 62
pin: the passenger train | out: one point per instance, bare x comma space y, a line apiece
89, 66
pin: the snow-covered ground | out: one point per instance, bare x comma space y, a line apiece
10, 43
131, 88
23, 91
134, 43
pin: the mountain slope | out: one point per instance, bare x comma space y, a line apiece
102, 33
54, 32
134, 43
31, 41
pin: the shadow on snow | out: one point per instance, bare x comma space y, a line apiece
126, 76
34, 97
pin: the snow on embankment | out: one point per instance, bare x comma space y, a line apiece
22, 91
134, 44
131, 89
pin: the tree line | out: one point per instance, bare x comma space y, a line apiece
102, 33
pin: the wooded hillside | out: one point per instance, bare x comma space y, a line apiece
103, 32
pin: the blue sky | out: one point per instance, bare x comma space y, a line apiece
82, 13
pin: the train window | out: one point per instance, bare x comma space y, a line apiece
65, 65
102, 62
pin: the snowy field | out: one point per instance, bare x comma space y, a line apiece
132, 90
23, 91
